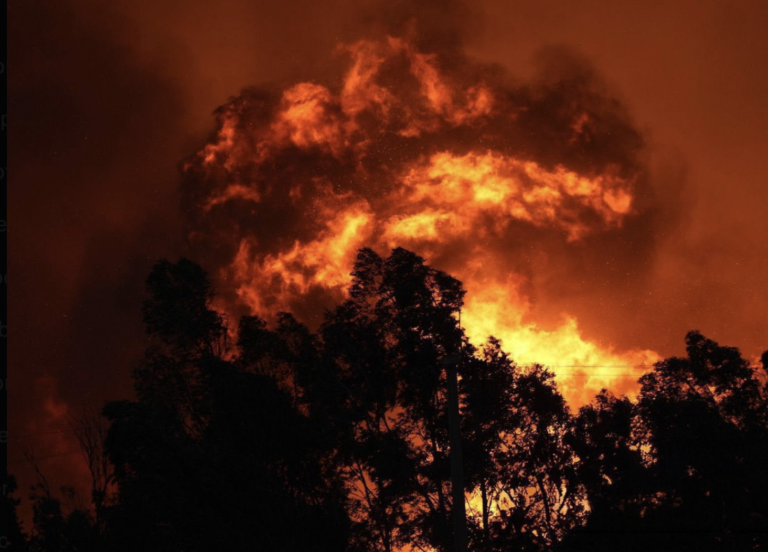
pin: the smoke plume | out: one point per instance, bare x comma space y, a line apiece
519, 189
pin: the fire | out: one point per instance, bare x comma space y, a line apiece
477, 185
306, 119
360, 92
582, 367
405, 149
324, 262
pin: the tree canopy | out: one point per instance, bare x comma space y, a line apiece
275, 437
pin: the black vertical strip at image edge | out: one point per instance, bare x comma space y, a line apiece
4, 266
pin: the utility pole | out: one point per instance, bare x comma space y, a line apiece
451, 363
457, 461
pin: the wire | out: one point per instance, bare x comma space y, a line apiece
588, 365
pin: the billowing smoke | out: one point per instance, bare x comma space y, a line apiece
519, 189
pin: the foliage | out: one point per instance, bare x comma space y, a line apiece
338, 440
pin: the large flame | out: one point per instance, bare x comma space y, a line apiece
407, 150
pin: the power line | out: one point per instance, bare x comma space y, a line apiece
590, 365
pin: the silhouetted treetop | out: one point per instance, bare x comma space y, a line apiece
179, 308
337, 440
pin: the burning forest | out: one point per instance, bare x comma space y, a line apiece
409, 311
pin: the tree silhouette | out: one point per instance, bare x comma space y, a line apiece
381, 354
12, 530
520, 462
213, 446
91, 434
685, 466
338, 440
59, 525
706, 421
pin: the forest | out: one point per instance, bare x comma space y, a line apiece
274, 437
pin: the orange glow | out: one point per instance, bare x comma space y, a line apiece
306, 119
226, 139
582, 367
360, 90
477, 185
323, 262
233, 192
436, 203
